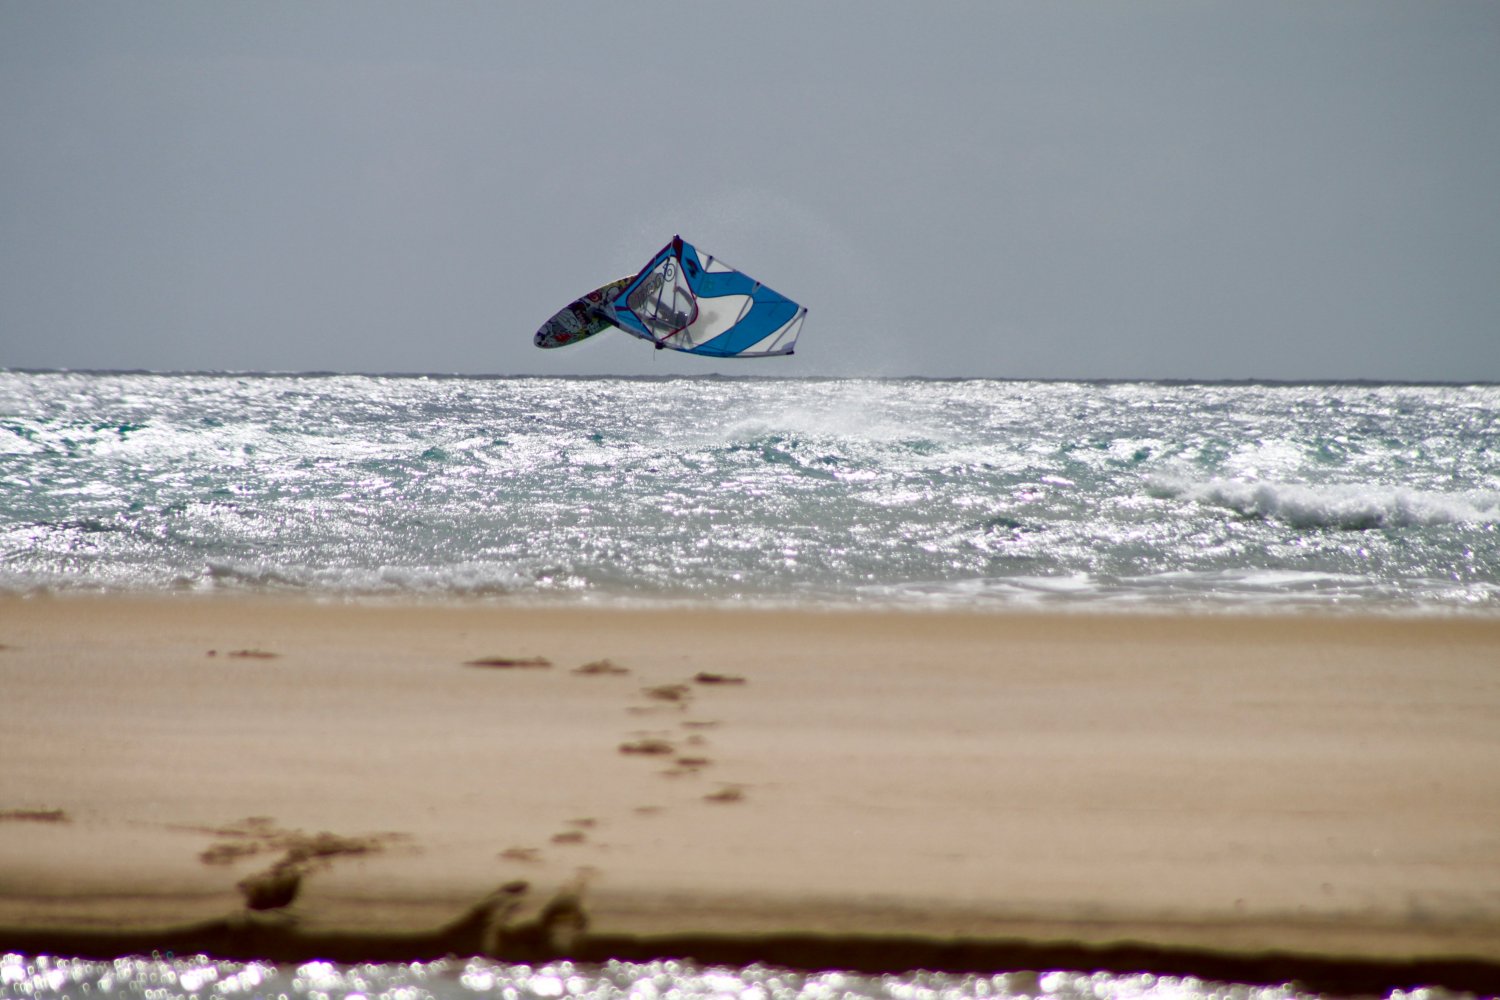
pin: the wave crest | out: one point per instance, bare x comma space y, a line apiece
1351, 507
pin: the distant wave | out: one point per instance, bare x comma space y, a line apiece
1344, 506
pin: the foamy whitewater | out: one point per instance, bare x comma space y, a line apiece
981, 494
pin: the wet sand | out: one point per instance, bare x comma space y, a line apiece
1327, 787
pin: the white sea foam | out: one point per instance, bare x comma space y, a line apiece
1349, 506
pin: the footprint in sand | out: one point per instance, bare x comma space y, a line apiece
578, 834
686, 766
260, 834
704, 677
511, 662
34, 816
681, 695
277, 887
676, 694
648, 747
663, 744
726, 794
601, 668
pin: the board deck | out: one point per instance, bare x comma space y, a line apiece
581, 318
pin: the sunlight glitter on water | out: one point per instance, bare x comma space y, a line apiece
201, 978
978, 494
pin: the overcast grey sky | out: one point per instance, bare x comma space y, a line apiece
1266, 189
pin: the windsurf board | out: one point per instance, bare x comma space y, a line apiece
581, 318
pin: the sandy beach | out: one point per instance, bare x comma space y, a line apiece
1323, 785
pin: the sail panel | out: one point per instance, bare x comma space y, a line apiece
698, 304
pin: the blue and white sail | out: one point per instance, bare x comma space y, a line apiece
689, 301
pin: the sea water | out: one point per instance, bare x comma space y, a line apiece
200, 978
978, 494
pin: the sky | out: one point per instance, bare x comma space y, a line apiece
1279, 189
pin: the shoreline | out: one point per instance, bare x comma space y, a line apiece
763, 782
1047, 606
475, 934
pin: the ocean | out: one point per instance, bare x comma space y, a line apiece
975, 494
984, 495
199, 978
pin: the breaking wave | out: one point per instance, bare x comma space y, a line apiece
1345, 507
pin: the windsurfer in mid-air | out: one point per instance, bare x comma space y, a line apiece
688, 302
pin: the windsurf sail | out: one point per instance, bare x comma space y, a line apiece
689, 301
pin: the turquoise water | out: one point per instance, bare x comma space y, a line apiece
983, 494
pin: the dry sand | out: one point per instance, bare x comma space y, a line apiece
1321, 785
